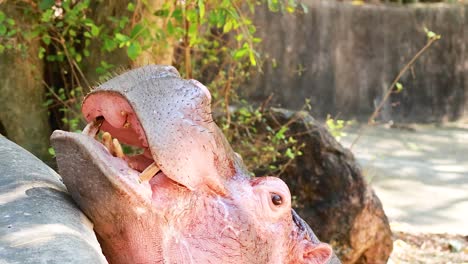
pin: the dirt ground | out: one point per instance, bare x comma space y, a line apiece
429, 248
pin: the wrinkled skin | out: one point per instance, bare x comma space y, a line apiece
201, 207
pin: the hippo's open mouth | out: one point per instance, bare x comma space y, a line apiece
110, 113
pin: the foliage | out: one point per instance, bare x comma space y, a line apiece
336, 126
266, 144
212, 41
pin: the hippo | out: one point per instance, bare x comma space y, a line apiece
185, 196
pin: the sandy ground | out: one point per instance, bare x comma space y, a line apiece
420, 174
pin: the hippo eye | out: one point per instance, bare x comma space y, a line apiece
276, 199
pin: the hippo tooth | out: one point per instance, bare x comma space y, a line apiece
149, 172
107, 141
92, 128
117, 148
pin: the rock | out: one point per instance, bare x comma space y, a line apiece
39, 223
332, 195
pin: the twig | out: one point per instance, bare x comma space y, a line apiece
395, 81
188, 63
265, 103
227, 92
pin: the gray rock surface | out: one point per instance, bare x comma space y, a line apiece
39, 223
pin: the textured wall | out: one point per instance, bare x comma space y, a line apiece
343, 57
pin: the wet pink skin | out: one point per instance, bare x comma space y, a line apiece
207, 211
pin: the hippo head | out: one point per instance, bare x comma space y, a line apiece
187, 197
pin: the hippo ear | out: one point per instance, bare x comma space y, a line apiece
316, 253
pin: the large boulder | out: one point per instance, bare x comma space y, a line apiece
39, 223
332, 195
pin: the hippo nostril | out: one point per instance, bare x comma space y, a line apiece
276, 199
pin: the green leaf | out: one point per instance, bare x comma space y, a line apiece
399, 87
3, 29
228, 26
51, 58
253, 61
78, 57
256, 40
170, 28
280, 133
240, 53
46, 39
177, 14
131, 7
48, 102
133, 50
51, 151
109, 44
10, 21
191, 15
94, 30
430, 34
121, 37
72, 32
193, 30
289, 153
2, 16
47, 16
2, 48
11, 33
46, 4
136, 31
201, 8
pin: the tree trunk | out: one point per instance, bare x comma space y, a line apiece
22, 115
160, 52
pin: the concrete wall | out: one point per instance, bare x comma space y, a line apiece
343, 57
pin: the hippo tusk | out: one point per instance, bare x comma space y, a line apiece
117, 148
149, 172
93, 128
107, 141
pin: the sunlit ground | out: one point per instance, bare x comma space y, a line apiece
420, 173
